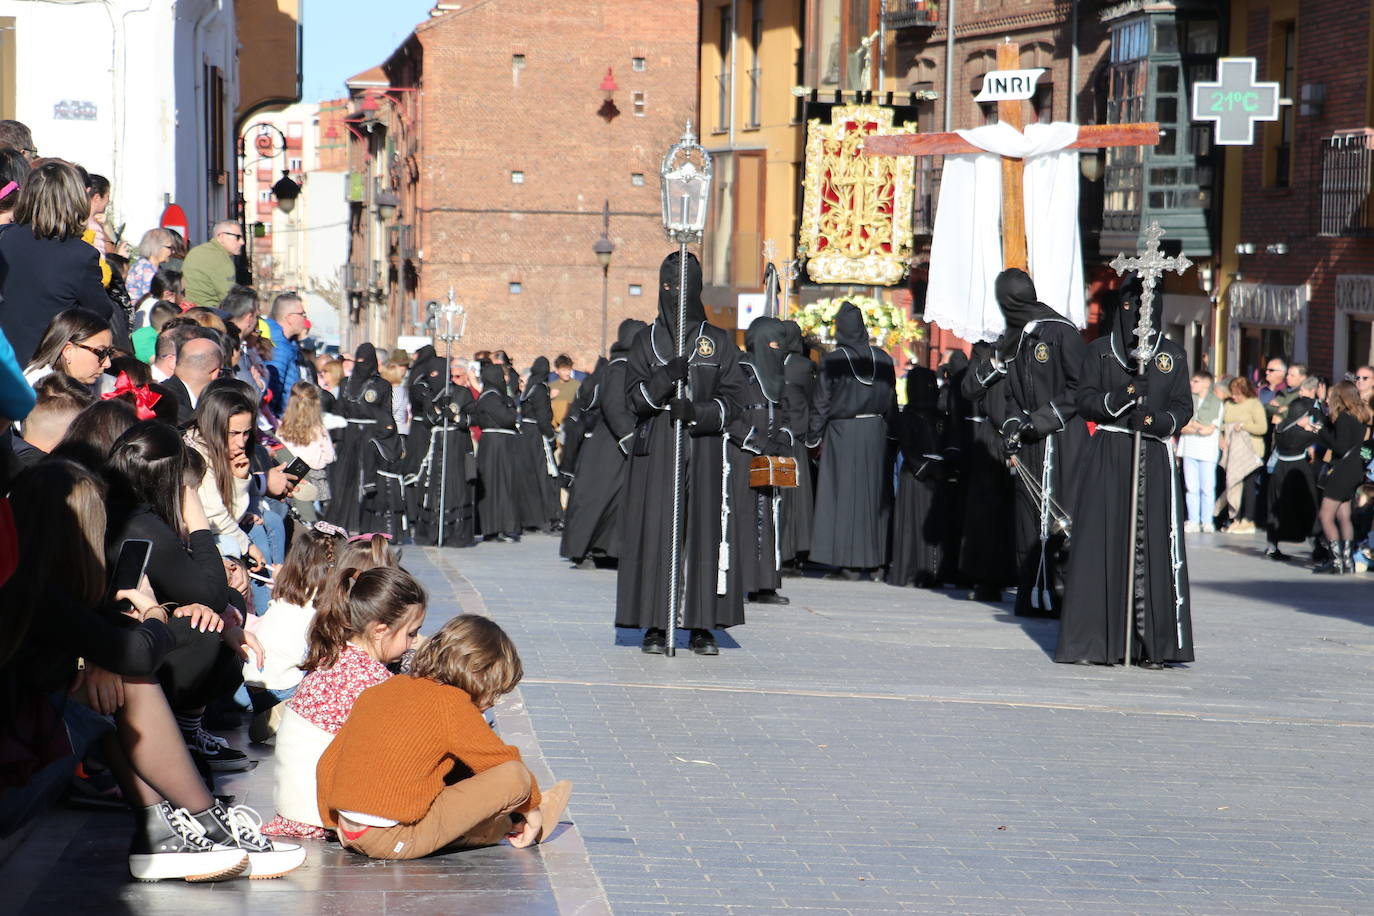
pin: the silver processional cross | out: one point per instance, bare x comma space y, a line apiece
1150, 266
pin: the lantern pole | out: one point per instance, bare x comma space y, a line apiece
449, 337
684, 231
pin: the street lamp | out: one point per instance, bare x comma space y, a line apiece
286, 191
686, 189
603, 249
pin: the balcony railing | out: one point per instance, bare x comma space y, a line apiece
1348, 183
354, 278
912, 14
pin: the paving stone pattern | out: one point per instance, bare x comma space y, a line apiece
867, 750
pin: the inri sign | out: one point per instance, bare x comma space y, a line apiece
1008, 85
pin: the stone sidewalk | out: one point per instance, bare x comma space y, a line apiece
869, 750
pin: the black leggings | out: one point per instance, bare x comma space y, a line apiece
201, 668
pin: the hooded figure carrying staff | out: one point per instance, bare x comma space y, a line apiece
715, 390
1035, 368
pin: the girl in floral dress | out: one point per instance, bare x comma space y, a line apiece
365, 619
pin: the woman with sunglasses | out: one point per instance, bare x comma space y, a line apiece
78, 343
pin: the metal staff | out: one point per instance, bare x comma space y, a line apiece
1150, 266
685, 195
453, 308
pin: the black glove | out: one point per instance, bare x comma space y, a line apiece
682, 409
677, 368
779, 444
565, 480
1146, 421
1014, 432
1133, 391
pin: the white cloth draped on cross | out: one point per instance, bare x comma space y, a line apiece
966, 251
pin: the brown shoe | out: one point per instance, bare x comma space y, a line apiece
552, 806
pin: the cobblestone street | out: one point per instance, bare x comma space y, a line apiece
872, 750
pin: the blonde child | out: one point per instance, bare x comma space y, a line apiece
282, 629
302, 429
382, 781
364, 620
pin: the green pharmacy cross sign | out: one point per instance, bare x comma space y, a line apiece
1235, 101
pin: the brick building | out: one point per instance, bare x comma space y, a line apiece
482, 154
1298, 232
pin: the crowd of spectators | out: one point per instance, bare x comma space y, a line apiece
1288, 455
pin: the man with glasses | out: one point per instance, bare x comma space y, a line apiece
208, 271
287, 324
1272, 383
1364, 383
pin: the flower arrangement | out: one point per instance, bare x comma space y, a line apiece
889, 326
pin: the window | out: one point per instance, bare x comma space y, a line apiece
637, 64
515, 288
1283, 59
637, 179
726, 44
636, 289
638, 98
517, 61
293, 165
517, 177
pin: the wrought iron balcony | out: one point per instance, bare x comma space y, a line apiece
912, 14
1348, 184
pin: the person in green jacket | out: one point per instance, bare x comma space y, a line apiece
209, 271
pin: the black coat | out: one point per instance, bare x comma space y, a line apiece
41, 277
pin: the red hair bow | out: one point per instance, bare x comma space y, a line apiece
145, 399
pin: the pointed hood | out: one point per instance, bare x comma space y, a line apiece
668, 279
850, 330
1016, 297
922, 392
426, 363
539, 375
364, 368
765, 340
792, 334
1125, 319
625, 336
493, 378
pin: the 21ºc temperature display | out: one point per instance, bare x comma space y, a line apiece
1235, 101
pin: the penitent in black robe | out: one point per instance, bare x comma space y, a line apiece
798, 509
498, 456
853, 416
1293, 498
759, 429
923, 504
1092, 628
716, 387
1037, 367
365, 492
594, 511
540, 503
441, 455
979, 550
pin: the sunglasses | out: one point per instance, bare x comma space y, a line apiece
369, 536
233, 235
100, 353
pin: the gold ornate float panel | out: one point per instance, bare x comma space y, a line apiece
856, 210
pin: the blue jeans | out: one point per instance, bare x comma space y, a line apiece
270, 538
1200, 482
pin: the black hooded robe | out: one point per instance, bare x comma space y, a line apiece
1292, 491
1092, 627
922, 508
498, 456
759, 429
798, 507
541, 505
594, 503
715, 385
365, 492
435, 464
1037, 365
853, 415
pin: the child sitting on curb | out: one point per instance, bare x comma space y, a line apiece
364, 620
386, 782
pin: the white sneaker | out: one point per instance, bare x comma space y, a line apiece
1192, 528
1209, 529
241, 827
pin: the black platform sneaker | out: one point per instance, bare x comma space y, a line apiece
170, 843
241, 827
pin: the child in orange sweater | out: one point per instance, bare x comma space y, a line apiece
387, 780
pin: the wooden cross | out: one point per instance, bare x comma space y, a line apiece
1092, 136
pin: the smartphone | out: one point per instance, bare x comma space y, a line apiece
297, 469
132, 562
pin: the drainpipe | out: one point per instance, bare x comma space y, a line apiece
1073, 62
734, 59
949, 66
